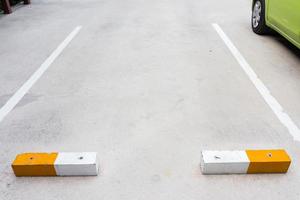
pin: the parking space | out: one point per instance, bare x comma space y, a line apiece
147, 85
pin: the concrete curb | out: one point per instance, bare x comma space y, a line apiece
245, 162
56, 164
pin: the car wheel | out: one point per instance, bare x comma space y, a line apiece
258, 17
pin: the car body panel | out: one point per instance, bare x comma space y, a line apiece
284, 17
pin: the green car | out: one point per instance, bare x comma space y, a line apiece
282, 16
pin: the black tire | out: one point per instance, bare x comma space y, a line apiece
259, 25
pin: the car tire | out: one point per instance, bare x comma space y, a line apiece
258, 19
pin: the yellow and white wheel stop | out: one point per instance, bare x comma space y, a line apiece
56, 164
245, 162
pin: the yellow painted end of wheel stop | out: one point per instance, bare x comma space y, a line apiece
268, 161
35, 164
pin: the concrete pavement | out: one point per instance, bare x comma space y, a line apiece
147, 85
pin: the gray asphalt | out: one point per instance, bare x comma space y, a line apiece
147, 84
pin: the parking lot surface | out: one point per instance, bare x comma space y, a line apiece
147, 84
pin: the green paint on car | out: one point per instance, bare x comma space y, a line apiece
282, 16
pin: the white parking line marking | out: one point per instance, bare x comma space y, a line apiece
15, 99
283, 117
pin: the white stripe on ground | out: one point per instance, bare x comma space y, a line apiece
15, 99
283, 117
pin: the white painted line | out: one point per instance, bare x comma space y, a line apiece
283, 117
15, 99
76, 164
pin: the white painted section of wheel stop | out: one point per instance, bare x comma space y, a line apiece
76, 164
224, 162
